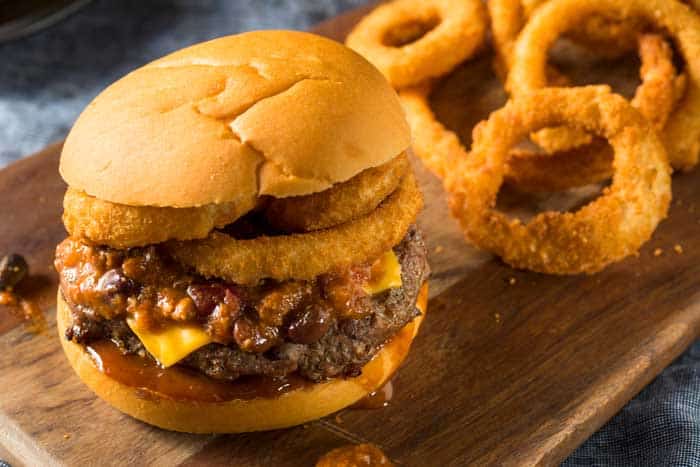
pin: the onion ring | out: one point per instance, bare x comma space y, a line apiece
608, 229
305, 256
605, 36
682, 131
391, 37
656, 96
122, 226
439, 148
341, 203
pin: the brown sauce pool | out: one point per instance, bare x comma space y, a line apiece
181, 383
377, 399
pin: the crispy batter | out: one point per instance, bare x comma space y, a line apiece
122, 226
533, 173
305, 255
682, 131
343, 202
412, 40
606, 230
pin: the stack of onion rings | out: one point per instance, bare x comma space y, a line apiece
305, 255
681, 133
341, 203
608, 229
411, 41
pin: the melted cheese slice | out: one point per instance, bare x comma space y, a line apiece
172, 343
386, 274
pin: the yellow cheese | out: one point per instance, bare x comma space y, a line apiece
172, 343
386, 274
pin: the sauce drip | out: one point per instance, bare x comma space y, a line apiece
182, 383
377, 399
26, 309
355, 455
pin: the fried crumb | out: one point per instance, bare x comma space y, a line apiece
66, 436
678, 249
658, 252
497, 317
8, 298
439, 249
512, 280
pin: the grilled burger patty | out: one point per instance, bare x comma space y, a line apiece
317, 343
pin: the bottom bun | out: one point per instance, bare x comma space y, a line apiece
236, 416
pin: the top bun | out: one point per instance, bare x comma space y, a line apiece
278, 113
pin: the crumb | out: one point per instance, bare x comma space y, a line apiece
658, 252
439, 249
512, 280
338, 419
8, 298
42, 199
678, 249
66, 436
497, 316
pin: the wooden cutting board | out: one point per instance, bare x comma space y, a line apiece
510, 367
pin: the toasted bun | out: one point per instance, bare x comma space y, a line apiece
278, 113
237, 416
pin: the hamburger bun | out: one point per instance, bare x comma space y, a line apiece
235, 416
228, 119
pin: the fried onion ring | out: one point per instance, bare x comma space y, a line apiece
606, 230
656, 96
682, 131
440, 148
410, 41
603, 35
343, 202
122, 226
305, 255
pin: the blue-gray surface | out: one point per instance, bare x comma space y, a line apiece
46, 79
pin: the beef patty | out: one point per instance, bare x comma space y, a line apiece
345, 347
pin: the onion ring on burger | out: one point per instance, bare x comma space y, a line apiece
341, 203
306, 255
606, 230
681, 134
410, 41
122, 226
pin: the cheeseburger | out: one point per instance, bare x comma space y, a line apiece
242, 250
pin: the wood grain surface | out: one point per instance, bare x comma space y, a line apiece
510, 368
